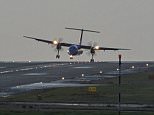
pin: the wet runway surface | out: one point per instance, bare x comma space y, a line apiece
76, 106
37, 75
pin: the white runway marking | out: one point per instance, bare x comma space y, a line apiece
6, 72
2, 67
83, 67
36, 74
30, 68
47, 85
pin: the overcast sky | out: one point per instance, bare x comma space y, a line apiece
122, 23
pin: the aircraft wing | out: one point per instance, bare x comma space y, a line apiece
48, 41
102, 48
68, 44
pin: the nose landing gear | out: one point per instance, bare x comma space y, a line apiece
71, 57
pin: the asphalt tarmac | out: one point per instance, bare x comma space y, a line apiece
37, 75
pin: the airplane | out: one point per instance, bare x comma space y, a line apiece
76, 49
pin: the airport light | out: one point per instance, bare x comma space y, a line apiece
71, 57
62, 78
132, 67
147, 64
117, 69
82, 75
100, 72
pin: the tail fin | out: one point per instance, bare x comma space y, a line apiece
82, 30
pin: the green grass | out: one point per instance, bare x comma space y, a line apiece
135, 88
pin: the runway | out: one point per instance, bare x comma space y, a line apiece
25, 76
44, 106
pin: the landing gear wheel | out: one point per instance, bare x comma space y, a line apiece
92, 60
71, 57
58, 56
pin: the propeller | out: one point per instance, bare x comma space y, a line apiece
92, 44
56, 44
92, 52
94, 47
56, 41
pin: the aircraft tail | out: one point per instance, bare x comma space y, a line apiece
82, 30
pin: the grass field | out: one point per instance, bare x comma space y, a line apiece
135, 88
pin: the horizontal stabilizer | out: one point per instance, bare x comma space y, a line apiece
82, 30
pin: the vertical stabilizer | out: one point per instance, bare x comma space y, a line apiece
82, 30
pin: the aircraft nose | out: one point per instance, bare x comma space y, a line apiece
73, 50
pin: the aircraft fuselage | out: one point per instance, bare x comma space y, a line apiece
75, 50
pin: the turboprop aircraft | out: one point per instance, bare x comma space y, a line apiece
76, 49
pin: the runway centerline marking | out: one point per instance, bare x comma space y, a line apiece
83, 67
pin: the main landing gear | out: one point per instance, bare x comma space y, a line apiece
58, 56
58, 49
92, 60
92, 51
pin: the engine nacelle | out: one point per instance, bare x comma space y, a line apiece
58, 47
